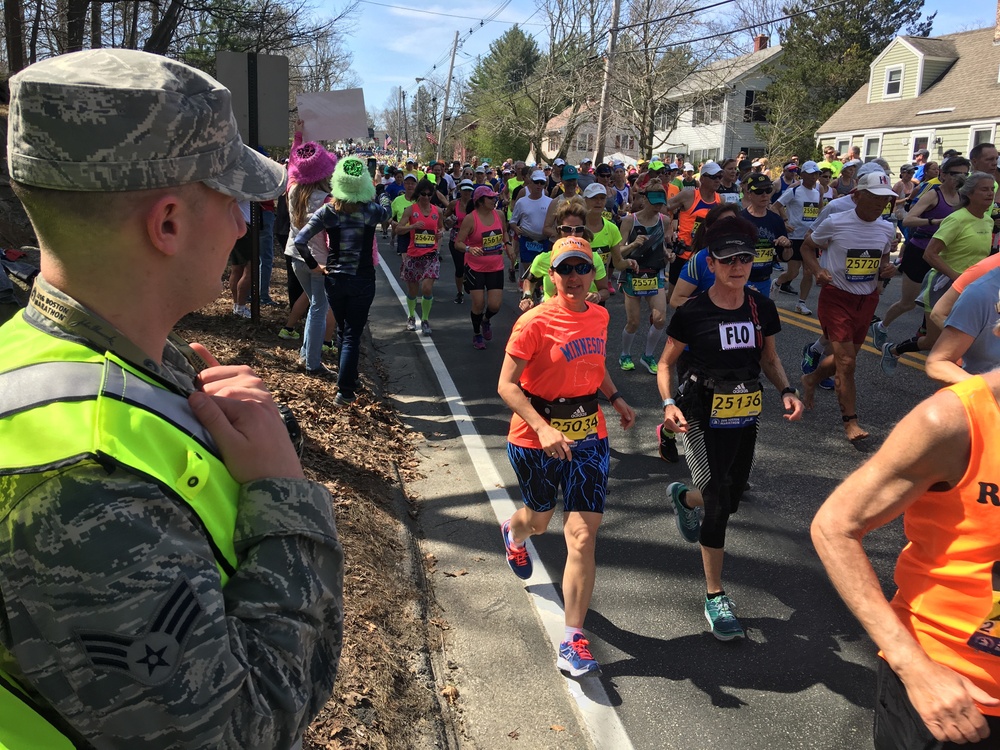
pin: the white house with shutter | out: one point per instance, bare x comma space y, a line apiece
713, 111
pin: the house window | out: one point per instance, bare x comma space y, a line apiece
981, 134
920, 143
893, 82
553, 138
753, 110
666, 117
843, 146
873, 144
707, 111
581, 141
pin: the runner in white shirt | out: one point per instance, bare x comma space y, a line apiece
799, 207
856, 247
528, 219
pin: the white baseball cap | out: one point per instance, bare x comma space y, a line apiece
594, 188
877, 183
559, 162
711, 168
538, 175
811, 167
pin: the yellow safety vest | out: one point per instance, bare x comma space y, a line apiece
63, 403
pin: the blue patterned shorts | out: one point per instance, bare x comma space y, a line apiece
583, 479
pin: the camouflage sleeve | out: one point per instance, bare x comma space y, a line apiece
114, 612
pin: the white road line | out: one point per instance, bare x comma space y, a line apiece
600, 718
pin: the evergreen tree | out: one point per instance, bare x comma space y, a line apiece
826, 59
495, 93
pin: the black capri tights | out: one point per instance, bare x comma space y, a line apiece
720, 461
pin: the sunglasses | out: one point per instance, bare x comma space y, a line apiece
567, 229
743, 258
712, 176
761, 191
425, 194
957, 174
582, 269
540, 182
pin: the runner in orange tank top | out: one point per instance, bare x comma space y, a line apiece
939, 638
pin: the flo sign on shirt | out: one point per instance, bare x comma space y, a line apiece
737, 335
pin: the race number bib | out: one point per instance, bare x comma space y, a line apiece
764, 253
423, 240
730, 197
534, 246
736, 404
987, 636
605, 253
645, 284
492, 244
694, 228
608, 215
810, 211
577, 422
738, 335
862, 265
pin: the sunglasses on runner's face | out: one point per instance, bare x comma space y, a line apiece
733, 259
957, 174
582, 269
567, 229
540, 182
761, 191
426, 195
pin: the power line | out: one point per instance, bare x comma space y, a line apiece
673, 15
436, 13
728, 32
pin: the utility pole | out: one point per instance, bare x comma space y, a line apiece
406, 125
399, 130
603, 114
447, 91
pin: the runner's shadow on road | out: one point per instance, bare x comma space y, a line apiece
779, 656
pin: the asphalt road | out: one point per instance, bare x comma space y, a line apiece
804, 677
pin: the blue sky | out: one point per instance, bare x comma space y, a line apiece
392, 46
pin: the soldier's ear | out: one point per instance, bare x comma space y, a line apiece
164, 219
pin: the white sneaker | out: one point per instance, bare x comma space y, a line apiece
801, 309
242, 311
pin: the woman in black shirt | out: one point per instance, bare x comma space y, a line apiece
726, 336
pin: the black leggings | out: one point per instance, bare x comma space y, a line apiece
720, 461
459, 258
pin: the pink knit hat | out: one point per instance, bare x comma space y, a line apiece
310, 163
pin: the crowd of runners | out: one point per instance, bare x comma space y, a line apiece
695, 254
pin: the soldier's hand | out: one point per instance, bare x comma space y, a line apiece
251, 436
231, 381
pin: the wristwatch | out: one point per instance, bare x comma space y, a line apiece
669, 402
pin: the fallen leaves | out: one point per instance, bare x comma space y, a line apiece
450, 694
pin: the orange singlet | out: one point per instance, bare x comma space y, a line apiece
948, 576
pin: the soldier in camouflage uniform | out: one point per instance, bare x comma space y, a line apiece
168, 577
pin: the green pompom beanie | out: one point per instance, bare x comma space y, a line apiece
351, 181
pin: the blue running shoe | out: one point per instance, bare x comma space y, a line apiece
575, 657
879, 334
688, 521
828, 384
719, 613
517, 557
810, 359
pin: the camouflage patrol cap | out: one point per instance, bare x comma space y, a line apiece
115, 120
